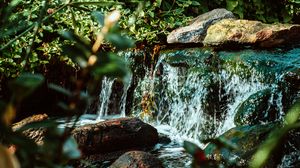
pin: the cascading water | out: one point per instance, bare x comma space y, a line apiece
191, 95
104, 96
192, 101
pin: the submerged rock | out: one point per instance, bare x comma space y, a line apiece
137, 159
113, 135
255, 109
196, 31
228, 31
246, 139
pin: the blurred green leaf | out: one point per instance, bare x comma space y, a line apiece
25, 84
59, 89
265, 150
70, 149
231, 4
120, 42
190, 147
99, 17
113, 66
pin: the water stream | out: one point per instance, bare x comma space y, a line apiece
193, 94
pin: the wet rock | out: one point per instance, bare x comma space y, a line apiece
195, 32
113, 135
246, 139
230, 31
137, 159
255, 109
36, 134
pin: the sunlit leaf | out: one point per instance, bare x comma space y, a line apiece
8, 160
9, 114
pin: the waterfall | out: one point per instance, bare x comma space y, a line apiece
190, 104
106, 90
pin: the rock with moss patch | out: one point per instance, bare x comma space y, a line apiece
195, 32
231, 31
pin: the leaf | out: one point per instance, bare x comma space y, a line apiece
25, 84
198, 153
70, 149
9, 114
120, 42
195, 3
59, 89
158, 2
99, 17
274, 140
8, 160
113, 66
100, 3
190, 147
231, 4
73, 37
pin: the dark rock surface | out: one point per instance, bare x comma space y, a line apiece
113, 135
137, 159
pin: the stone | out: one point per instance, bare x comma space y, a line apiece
36, 134
246, 139
113, 135
137, 159
195, 32
247, 32
256, 109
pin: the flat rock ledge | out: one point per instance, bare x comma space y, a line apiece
247, 32
219, 28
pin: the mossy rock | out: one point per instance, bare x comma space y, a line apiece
246, 138
187, 57
255, 109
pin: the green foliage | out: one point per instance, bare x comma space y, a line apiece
151, 21
45, 33
264, 10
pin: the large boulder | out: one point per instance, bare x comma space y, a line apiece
231, 31
102, 137
195, 32
113, 135
137, 159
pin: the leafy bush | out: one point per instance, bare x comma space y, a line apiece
69, 42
